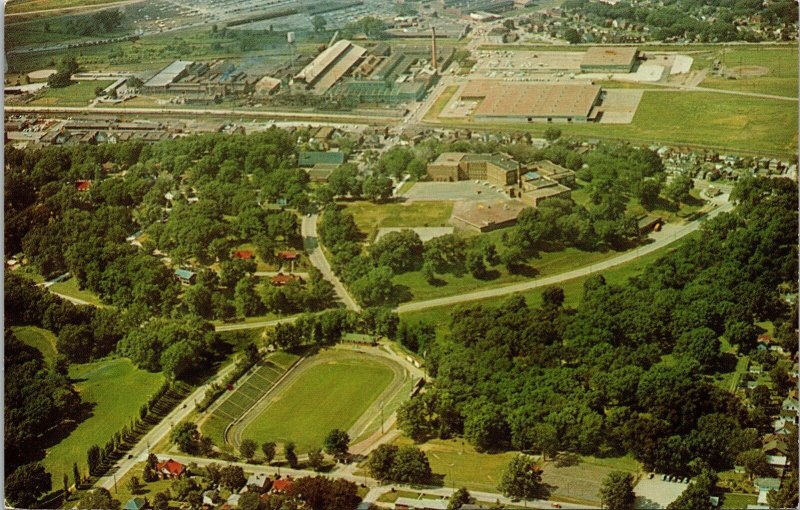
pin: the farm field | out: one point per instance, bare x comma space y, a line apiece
332, 391
245, 395
70, 288
77, 94
41, 339
370, 217
101, 383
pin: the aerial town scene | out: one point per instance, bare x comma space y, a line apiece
401, 254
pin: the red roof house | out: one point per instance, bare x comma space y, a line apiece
243, 254
280, 279
287, 255
83, 185
282, 485
170, 469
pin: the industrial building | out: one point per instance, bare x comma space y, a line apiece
201, 80
532, 102
167, 76
598, 59
329, 66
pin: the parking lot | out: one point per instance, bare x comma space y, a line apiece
657, 493
456, 191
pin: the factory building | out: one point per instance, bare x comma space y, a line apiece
167, 76
599, 59
329, 66
532, 102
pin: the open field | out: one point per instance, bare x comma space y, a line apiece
246, 394
370, 217
331, 390
580, 483
77, 94
710, 120
20, 6
41, 339
70, 288
441, 102
102, 383
773, 69
546, 264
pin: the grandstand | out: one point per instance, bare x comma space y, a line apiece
247, 391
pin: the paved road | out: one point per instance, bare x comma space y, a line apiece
203, 112
317, 257
160, 431
669, 234
376, 489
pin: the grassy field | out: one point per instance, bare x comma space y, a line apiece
731, 500
77, 94
20, 6
580, 483
441, 102
39, 338
117, 389
70, 288
779, 67
699, 119
328, 396
546, 264
370, 217
573, 290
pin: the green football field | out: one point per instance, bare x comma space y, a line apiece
329, 395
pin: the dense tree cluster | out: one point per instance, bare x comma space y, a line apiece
688, 19
625, 371
406, 464
325, 328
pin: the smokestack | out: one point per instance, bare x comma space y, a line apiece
433, 48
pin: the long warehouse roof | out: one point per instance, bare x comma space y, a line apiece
504, 99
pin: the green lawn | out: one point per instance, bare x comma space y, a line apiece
39, 338
117, 389
780, 64
77, 94
699, 119
328, 396
546, 264
70, 288
732, 500
370, 217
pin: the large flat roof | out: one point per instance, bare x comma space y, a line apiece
515, 99
168, 74
331, 64
606, 56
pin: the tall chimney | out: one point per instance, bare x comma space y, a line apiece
433, 48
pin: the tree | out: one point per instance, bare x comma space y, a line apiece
649, 190
248, 501
98, 498
93, 459
248, 448
459, 498
26, 483
161, 501
410, 466
316, 459
400, 251
572, 36
678, 190
268, 448
522, 479
134, 485
76, 474
319, 23
290, 454
377, 188
742, 334
184, 436
755, 463
336, 443
701, 344
376, 288
697, 495
616, 492
381, 461
475, 264
232, 477
552, 134
321, 493
786, 496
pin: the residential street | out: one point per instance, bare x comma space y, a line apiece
318, 259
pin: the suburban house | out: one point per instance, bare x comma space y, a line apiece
791, 404
764, 485
282, 485
243, 254
83, 185
259, 480
280, 279
185, 276
287, 255
137, 504
170, 469
420, 504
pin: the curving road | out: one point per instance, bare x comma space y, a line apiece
317, 257
668, 235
